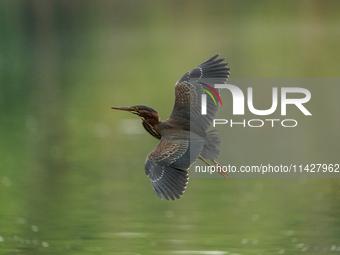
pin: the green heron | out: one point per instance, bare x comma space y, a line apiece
184, 137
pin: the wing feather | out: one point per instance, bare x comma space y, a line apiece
168, 163
188, 92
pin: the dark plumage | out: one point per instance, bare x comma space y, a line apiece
184, 137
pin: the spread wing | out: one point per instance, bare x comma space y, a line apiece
168, 163
190, 87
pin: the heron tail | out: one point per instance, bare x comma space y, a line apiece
211, 145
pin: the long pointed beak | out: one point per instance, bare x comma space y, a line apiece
128, 109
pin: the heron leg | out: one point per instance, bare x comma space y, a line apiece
203, 159
216, 163
221, 167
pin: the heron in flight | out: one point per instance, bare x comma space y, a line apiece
184, 136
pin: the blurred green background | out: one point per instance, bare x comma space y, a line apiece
72, 171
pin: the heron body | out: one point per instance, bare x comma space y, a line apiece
184, 136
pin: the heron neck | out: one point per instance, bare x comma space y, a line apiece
151, 128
